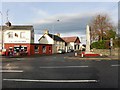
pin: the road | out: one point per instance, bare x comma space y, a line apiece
56, 71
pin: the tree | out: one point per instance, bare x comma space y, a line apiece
101, 28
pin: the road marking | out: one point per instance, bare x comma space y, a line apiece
62, 81
65, 67
11, 71
117, 65
6, 67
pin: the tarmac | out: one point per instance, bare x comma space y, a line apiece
94, 58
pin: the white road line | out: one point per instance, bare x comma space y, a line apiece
9, 67
65, 67
11, 71
117, 65
62, 81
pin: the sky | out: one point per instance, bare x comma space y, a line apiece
73, 16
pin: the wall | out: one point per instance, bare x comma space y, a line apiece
106, 51
7, 45
30, 48
46, 40
17, 39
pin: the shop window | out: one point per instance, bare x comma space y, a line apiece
44, 49
25, 48
36, 48
16, 49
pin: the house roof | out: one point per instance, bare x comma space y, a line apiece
69, 39
56, 38
18, 27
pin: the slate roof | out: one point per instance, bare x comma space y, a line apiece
18, 27
69, 39
56, 38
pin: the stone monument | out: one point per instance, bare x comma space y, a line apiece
87, 51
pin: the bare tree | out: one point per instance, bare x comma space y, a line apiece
100, 25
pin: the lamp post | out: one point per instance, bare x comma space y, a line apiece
1, 30
53, 27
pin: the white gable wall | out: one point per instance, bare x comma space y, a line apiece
46, 40
55, 44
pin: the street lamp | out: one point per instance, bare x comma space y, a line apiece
1, 29
53, 27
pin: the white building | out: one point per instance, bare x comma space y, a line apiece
72, 43
17, 34
56, 41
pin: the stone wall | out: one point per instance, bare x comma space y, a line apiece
114, 52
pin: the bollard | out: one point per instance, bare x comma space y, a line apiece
75, 54
82, 55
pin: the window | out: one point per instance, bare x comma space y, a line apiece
16, 35
75, 47
22, 35
36, 48
10, 35
78, 46
44, 49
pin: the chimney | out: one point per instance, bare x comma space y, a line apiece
58, 34
8, 24
46, 31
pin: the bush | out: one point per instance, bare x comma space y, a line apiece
100, 45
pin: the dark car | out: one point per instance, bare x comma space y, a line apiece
70, 50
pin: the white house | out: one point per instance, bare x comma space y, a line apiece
72, 43
56, 41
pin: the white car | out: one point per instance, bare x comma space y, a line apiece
61, 51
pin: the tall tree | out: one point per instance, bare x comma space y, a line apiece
100, 26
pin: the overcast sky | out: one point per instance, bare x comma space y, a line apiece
73, 16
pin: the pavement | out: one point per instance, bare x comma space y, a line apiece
93, 58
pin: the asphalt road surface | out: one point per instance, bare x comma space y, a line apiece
56, 71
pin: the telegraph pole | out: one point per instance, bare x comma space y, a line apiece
1, 30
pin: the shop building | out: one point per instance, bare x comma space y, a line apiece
20, 38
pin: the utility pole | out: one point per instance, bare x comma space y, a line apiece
53, 27
1, 30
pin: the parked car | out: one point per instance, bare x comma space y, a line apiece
70, 50
61, 51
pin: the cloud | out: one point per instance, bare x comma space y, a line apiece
39, 12
71, 24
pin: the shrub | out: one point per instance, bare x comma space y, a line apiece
99, 45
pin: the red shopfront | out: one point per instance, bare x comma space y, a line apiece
31, 49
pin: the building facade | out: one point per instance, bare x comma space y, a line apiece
56, 41
72, 43
19, 38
